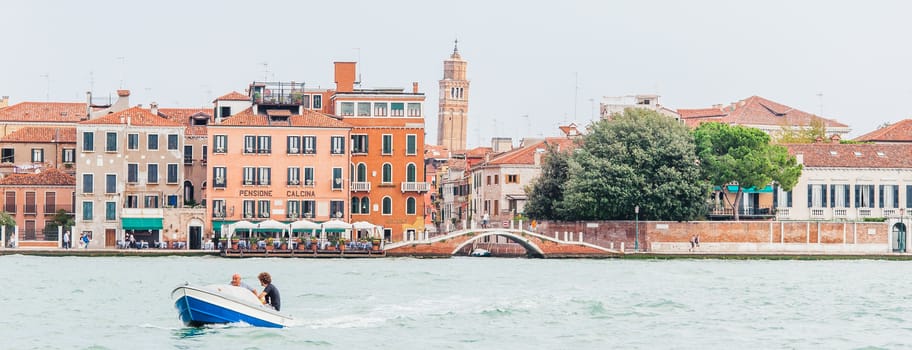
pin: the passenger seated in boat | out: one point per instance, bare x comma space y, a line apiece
236, 281
270, 293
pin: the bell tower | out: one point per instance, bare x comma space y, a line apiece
454, 103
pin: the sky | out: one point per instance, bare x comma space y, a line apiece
532, 66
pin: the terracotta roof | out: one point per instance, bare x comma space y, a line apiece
42, 134
233, 96
478, 152
900, 131
55, 112
307, 119
835, 155
435, 151
137, 116
185, 115
526, 155
50, 176
754, 110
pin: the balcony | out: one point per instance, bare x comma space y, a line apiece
415, 187
360, 186
277, 93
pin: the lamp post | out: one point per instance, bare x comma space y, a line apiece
636, 244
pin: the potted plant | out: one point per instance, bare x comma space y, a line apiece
269, 242
313, 244
223, 242
376, 243
284, 244
342, 244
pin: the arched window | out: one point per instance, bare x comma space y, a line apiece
362, 172
410, 206
410, 172
356, 205
387, 206
387, 172
365, 205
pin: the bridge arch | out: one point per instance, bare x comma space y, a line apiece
530, 247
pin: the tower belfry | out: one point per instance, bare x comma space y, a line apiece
452, 116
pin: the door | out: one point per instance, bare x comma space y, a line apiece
110, 237
196, 237
899, 237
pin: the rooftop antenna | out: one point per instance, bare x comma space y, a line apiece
91, 81
123, 63
47, 77
265, 70
820, 98
528, 125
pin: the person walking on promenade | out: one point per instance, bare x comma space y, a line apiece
693, 242
66, 240
85, 240
484, 220
697, 240
270, 293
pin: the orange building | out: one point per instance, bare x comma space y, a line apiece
34, 199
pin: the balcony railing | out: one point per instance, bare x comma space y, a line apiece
416, 187
30, 209
360, 186
742, 212
9, 208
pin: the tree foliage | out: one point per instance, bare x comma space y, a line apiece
640, 158
547, 191
789, 134
744, 156
64, 219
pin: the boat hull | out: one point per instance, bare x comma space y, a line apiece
199, 306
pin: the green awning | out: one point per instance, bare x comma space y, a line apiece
734, 188
141, 223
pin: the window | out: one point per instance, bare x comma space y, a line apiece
110, 211
380, 109
356, 205
310, 144
8, 155
10, 205
249, 175
318, 101
496, 179
387, 206
205, 155
308, 176
410, 206
361, 173
110, 183
305, 101
410, 170
110, 142
220, 144
69, 155
87, 183
347, 109
172, 173
133, 141
218, 208
397, 109
337, 209
152, 176
387, 144
151, 201
50, 202
30, 207
172, 142
249, 208
188, 154
88, 141
411, 141
249, 144
414, 110
839, 196
512, 179
153, 142
132, 201
864, 196
387, 173
294, 145
264, 144
889, 196
337, 145
224, 111
364, 109
132, 173
365, 205
264, 176
359, 143
294, 209
337, 179
87, 209
294, 176
263, 208
37, 155
307, 208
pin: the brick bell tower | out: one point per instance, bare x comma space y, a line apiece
452, 117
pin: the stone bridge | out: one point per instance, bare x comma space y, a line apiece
536, 245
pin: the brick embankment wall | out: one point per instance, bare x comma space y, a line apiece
757, 236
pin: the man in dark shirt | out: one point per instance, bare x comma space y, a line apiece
270, 293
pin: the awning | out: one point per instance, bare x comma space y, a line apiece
734, 188
517, 196
141, 223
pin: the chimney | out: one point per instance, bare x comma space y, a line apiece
835, 138
154, 107
4, 101
345, 76
415, 87
538, 155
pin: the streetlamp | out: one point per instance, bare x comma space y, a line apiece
636, 244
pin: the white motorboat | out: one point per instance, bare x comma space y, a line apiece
480, 252
215, 304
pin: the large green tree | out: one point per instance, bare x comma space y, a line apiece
743, 156
640, 158
547, 191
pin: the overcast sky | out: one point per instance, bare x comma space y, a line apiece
551, 61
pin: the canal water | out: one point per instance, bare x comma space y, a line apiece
466, 303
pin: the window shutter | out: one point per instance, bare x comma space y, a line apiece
832, 196
775, 196
845, 200
823, 195
870, 196
908, 196
810, 195
858, 196
788, 199
895, 196
880, 200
